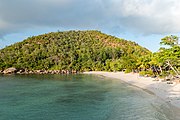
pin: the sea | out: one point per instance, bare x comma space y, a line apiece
78, 97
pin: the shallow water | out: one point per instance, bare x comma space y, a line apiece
77, 97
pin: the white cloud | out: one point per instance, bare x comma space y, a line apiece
139, 16
149, 16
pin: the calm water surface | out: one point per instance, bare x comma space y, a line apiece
77, 97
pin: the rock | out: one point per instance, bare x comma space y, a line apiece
25, 71
10, 71
74, 71
30, 72
63, 72
39, 71
21, 71
67, 72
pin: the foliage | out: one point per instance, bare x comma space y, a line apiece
148, 73
128, 71
72, 50
164, 62
170, 40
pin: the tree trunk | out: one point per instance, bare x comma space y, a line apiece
160, 68
168, 63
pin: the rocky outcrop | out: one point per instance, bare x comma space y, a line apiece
10, 71
25, 71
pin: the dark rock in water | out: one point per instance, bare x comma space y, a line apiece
10, 71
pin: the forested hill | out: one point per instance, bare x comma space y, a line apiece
72, 50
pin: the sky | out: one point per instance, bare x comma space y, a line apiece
142, 21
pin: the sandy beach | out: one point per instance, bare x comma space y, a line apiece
168, 92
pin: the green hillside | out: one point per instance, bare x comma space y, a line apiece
72, 50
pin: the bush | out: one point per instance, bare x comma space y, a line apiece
164, 74
128, 71
142, 73
148, 73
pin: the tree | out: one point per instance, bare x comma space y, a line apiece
164, 62
171, 40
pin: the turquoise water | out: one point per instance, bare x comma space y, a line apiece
77, 97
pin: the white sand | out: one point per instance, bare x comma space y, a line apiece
168, 92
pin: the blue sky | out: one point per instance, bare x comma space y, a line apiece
142, 21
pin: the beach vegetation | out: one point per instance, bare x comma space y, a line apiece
166, 61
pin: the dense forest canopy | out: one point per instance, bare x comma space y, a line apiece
73, 50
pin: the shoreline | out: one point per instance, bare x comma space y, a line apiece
170, 93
